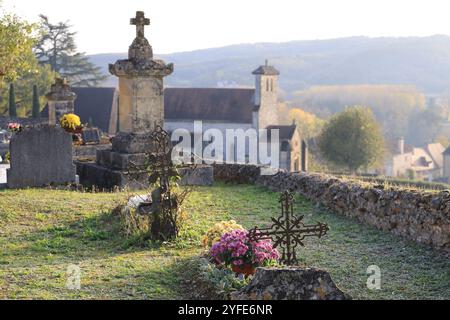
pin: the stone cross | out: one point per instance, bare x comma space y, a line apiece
140, 21
288, 231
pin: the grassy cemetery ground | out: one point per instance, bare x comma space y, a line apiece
44, 231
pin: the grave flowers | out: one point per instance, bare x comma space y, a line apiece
243, 255
216, 232
14, 127
71, 123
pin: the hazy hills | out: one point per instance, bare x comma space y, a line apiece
423, 62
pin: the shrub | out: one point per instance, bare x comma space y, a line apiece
236, 249
216, 232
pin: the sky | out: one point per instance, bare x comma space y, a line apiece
186, 25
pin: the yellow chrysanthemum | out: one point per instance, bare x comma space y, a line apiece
70, 121
218, 230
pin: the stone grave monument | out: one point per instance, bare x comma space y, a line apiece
141, 110
61, 101
40, 156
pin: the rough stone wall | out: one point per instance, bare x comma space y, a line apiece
417, 215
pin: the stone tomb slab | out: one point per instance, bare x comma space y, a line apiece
40, 156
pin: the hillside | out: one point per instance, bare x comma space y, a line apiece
423, 62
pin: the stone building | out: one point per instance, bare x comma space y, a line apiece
446, 173
220, 108
424, 163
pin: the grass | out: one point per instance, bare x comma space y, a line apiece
42, 232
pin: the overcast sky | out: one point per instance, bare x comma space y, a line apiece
185, 25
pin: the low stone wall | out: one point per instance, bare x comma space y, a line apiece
414, 214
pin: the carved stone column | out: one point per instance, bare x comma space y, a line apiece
61, 101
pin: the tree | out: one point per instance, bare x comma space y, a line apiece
42, 77
17, 38
352, 139
36, 109
12, 101
308, 124
57, 49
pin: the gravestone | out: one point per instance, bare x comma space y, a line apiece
40, 156
91, 136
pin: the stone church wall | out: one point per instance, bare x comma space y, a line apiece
417, 215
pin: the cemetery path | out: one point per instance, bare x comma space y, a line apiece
43, 232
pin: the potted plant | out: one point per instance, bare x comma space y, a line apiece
71, 123
237, 251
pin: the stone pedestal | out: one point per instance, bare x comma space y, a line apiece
290, 283
61, 101
141, 110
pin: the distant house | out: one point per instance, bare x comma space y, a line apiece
446, 176
426, 163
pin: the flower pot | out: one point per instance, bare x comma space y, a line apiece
247, 270
78, 130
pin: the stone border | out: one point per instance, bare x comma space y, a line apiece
413, 214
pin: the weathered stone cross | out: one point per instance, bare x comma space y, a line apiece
288, 231
140, 21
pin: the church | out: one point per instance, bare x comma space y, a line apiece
222, 109
218, 108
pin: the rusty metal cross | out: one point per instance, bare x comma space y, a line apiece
288, 231
140, 21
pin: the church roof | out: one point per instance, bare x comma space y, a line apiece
209, 104
229, 105
286, 132
266, 70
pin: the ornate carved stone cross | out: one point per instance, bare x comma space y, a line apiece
288, 231
140, 21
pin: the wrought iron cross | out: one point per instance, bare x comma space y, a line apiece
288, 231
140, 21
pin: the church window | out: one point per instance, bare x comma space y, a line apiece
267, 85
271, 85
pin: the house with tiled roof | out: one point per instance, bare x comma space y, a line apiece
424, 163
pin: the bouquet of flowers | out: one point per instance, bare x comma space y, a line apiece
236, 250
14, 127
70, 122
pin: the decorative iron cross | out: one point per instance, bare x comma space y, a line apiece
288, 231
140, 21
160, 158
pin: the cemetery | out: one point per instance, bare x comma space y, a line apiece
137, 225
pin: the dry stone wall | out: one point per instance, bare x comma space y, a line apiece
414, 214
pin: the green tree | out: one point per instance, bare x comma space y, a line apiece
42, 77
352, 139
36, 109
17, 38
57, 48
12, 101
